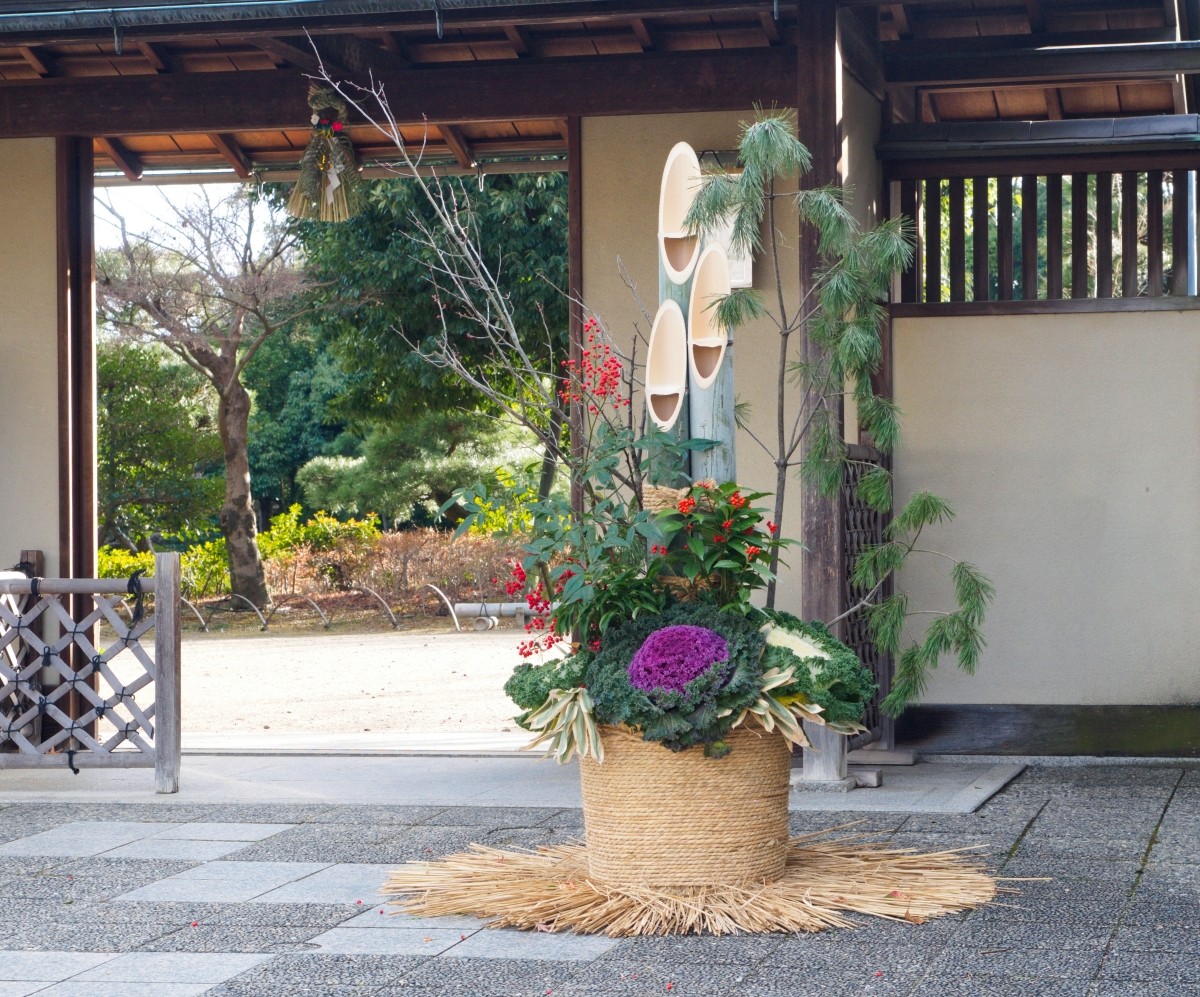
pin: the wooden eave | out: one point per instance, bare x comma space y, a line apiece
221, 86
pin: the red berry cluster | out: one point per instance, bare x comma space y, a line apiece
597, 377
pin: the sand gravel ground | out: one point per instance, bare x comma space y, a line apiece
343, 683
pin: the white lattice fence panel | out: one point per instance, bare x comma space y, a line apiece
117, 704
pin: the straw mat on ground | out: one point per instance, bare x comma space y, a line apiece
825, 878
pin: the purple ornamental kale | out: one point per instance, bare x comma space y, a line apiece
671, 657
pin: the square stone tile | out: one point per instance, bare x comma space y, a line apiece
223, 831
312, 969
80, 838
365, 816
447, 977
344, 883
316, 915
1157, 938
74, 988
83, 937
173, 967
50, 966
1158, 967
383, 941
21, 988
1012, 961
217, 882
256, 938
694, 980
188, 849
390, 916
508, 943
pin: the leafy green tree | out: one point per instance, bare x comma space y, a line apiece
419, 463
211, 286
294, 382
158, 452
381, 296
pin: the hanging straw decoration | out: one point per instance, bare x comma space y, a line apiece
824, 880
328, 187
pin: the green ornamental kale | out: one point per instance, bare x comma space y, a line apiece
704, 710
839, 683
529, 685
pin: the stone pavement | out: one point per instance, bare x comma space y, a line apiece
175, 898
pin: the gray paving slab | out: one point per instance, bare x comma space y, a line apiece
21, 988
613, 977
74, 988
391, 916
217, 882
344, 883
321, 970
460, 977
222, 831
506, 943
82, 838
83, 937
1158, 967
53, 967
175, 848
208, 938
971, 984
157, 967
379, 941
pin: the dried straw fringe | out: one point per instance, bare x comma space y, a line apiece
550, 890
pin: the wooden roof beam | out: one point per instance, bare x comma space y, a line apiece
228, 147
458, 145
155, 55
396, 47
1054, 106
1111, 63
520, 39
36, 63
652, 83
770, 27
641, 32
122, 158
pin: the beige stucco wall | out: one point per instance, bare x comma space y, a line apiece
1069, 447
28, 351
622, 170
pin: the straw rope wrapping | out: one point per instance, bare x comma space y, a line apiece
654, 818
825, 880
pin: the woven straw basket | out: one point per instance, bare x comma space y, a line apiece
654, 817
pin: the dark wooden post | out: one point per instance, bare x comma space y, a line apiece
822, 569
575, 286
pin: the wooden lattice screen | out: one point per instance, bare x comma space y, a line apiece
863, 528
66, 702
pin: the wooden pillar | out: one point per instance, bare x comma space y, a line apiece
76, 361
822, 564
167, 713
575, 285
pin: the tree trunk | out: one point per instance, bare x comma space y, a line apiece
237, 513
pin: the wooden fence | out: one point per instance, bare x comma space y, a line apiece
1119, 238
66, 702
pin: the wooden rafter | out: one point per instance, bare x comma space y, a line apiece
1054, 107
228, 147
395, 46
122, 158
769, 27
641, 32
520, 39
457, 143
36, 63
155, 55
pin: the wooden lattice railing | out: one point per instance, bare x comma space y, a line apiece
67, 702
863, 527
1122, 237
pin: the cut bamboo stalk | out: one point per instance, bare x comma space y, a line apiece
666, 366
710, 369
678, 249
